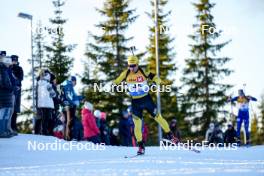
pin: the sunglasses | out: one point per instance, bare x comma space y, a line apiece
132, 66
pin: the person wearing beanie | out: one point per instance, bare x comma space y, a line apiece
70, 101
45, 104
90, 130
138, 88
124, 130
19, 76
6, 95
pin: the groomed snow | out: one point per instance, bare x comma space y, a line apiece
16, 159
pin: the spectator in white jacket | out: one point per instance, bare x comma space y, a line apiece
45, 104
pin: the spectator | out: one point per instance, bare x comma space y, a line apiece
230, 136
91, 131
124, 130
45, 104
77, 130
14, 92
97, 115
19, 75
209, 132
217, 136
59, 129
104, 130
56, 99
114, 137
6, 95
174, 129
70, 102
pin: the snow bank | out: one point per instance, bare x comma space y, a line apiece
17, 159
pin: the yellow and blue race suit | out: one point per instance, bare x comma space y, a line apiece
138, 89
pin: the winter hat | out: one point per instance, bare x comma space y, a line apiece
73, 78
229, 125
97, 113
174, 121
132, 60
103, 115
14, 58
88, 105
2, 53
241, 92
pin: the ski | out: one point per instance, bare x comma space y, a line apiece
189, 147
133, 156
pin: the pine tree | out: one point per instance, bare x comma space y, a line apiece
107, 53
169, 107
204, 72
261, 131
58, 60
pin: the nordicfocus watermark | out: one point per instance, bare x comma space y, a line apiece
165, 145
59, 145
131, 88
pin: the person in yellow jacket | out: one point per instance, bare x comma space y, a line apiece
137, 82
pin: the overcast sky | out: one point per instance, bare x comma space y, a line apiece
242, 21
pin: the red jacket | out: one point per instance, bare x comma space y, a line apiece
90, 128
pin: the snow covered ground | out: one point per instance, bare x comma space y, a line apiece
17, 159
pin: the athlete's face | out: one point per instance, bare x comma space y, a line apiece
133, 67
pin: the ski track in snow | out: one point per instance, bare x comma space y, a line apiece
15, 159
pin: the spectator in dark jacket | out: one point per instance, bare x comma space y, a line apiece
217, 136
6, 95
19, 75
230, 136
70, 101
114, 139
124, 130
174, 129
104, 129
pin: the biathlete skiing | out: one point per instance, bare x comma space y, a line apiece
243, 113
137, 81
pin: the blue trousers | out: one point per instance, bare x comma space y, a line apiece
5, 115
243, 116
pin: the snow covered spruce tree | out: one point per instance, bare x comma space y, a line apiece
107, 55
204, 72
58, 60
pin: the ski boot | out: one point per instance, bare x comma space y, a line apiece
141, 148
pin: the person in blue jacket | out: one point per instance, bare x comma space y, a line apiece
243, 113
70, 101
